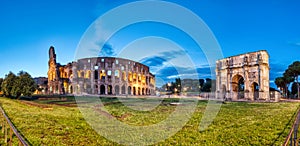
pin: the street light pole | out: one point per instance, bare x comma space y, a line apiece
169, 85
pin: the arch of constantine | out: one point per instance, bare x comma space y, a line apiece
244, 76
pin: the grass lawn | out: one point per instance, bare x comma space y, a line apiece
53, 122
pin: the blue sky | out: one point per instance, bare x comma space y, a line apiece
29, 28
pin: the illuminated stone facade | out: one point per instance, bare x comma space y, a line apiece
100, 75
59, 76
243, 76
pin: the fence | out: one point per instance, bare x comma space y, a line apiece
8, 129
292, 138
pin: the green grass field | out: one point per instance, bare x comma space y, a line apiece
56, 122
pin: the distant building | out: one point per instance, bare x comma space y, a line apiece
42, 83
99, 75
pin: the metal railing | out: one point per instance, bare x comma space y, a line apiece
292, 138
8, 129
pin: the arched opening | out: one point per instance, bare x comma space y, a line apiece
102, 89
143, 91
223, 92
123, 89
117, 74
96, 74
82, 74
117, 90
109, 89
50, 89
78, 89
96, 89
238, 86
134, 77
134, 91
124, 76
129, 76
56, 89
129, 90
255, 90
71, 89
139, 91
223, 89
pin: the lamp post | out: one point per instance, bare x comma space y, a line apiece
199, 90
169, 85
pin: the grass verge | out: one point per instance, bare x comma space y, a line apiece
238, 123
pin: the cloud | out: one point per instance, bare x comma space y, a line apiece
276, 70
161, 65
161, 58
172, 72
107, 50
153, 61
297, 44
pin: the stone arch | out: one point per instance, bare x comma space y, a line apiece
109, 89
117, 73
223, 92
124, 76
238, 86
139, 91
134, 91
96, 75
96, 89
255, 90
129, 76
78, 89
71, 89
102, 89
82, 74
50, 89
251, 67
56, 89
223, 89
146, 91
129, 90
117, 90
134, 76
123, 90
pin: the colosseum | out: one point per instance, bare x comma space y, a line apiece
99, 76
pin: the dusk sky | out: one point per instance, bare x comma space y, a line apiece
29, 28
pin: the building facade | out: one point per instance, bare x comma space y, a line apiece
42, 83
244, 76
100, 76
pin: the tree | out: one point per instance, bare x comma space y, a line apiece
24, 85
8, 84
177, 85
294, 88
207, 85
287, 80
294, 72
1, 81
280, 83
201, 83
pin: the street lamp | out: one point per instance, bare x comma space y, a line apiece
199, 90
169, 85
